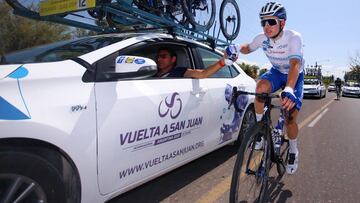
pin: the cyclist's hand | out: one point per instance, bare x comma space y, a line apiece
232, 52
288, 99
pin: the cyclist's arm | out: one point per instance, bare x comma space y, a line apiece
244, 49
295, 60
293, 74
255, 44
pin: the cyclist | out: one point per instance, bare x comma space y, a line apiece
284, 50
338, 86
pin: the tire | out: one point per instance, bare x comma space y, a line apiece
247, 175
249, 119
21, 170
187, 6
280, 167
227, 16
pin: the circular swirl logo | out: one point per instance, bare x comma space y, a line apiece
171, 105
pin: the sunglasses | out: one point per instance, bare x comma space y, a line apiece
270, 22
163, 56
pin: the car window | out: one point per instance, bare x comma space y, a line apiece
107, 64
150, 51
209, 58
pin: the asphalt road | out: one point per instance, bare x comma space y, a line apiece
329, 170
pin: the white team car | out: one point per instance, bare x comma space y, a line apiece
314, 88
351, 89
85, 120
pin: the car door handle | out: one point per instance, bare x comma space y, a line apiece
200, 92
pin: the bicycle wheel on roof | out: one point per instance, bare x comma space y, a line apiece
200, 13
230, 19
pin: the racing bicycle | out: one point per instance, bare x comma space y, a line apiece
251, 171
338, 92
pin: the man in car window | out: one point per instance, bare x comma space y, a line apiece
166, 61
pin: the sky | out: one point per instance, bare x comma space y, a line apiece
330, 31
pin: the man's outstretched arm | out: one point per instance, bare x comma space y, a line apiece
207, 72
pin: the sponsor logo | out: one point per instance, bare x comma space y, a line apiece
130, 59
176, 153
266, 45
139, 61
276, 52
121, 59
9, 111
283, 46
170, 106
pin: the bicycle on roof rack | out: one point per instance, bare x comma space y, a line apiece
193, 16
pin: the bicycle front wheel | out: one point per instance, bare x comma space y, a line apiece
200, 13
230, 19
250, 174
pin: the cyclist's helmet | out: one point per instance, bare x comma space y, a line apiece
273, 9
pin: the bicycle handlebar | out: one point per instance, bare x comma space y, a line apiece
236, 93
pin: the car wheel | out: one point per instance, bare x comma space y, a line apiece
27, 177
248, 120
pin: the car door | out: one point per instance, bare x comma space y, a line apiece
146, 127
224, 123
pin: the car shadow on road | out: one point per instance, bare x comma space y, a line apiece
276, 193
166, 185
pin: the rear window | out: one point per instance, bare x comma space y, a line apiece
60, 50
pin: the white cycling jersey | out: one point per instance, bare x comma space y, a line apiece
280, 52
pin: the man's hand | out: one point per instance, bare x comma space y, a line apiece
288, 99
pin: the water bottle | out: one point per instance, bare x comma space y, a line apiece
277, 134
277, 140
232, 52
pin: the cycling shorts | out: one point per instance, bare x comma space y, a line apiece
278, 80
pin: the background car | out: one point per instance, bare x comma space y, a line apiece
314, 88
85, 120
351, 89
331, 87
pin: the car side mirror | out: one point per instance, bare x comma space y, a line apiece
132, 67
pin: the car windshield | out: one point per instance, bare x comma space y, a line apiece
311, 82
60, 50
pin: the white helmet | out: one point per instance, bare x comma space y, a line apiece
273, 9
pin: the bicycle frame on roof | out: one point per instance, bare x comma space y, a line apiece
125, 14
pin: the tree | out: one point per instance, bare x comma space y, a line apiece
354, 73
18, 32
250, 70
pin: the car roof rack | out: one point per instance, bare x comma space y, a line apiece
129, 16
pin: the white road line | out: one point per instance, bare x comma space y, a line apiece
317, 118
